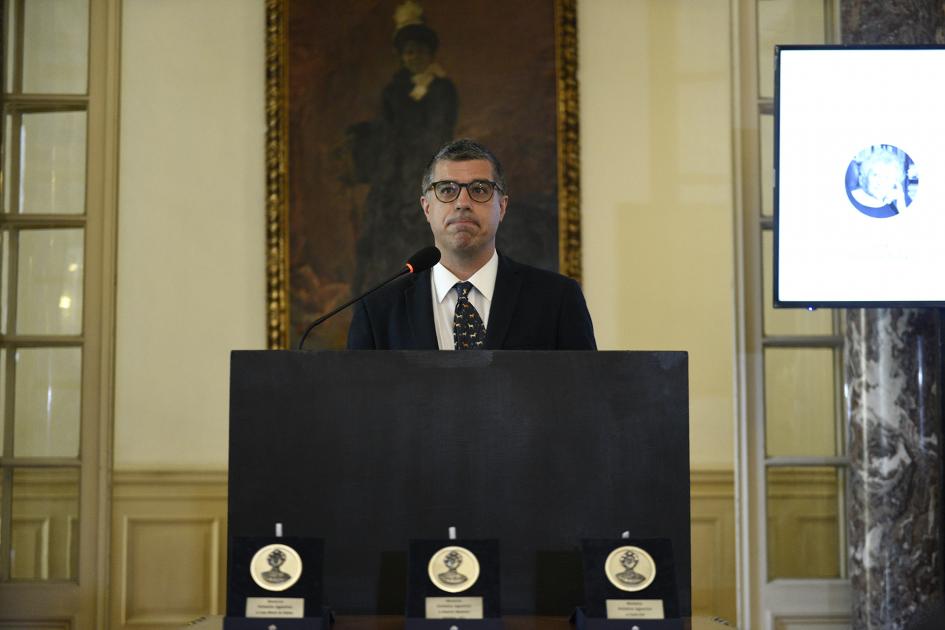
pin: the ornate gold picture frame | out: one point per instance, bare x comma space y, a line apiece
329, 87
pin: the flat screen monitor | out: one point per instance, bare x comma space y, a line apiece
859, 196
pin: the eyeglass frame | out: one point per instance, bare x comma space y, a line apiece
495, 187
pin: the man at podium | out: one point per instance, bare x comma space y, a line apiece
474, 298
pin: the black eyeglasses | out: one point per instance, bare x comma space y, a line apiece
480, 190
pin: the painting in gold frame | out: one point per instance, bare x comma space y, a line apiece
335, 74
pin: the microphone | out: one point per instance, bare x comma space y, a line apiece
421, 261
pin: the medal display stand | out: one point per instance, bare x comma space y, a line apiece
583, 622
324, 622
277, 574
418, 623
453, 575
629, 584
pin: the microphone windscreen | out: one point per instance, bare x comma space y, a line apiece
423, 260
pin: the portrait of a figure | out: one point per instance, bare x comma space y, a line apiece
374, 89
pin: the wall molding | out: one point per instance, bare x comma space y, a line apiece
818, 622
138, 484
168, 554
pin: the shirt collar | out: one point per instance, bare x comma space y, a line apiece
483, 279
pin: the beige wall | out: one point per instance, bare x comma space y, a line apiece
657, 197
657, 181
191, 280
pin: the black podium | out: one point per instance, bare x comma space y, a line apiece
540, 450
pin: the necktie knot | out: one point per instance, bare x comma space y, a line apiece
463, 289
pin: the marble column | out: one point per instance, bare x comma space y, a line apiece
893, 377
892, 21
893, 380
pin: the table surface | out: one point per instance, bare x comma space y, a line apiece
396, 622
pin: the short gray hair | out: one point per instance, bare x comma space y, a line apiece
463, 150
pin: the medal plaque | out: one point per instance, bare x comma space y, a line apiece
630, 568
629, 579
276, 567
447, 571
450, 580
275, 579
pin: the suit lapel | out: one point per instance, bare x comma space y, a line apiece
508, 283
419, 305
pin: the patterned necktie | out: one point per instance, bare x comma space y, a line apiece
469, 333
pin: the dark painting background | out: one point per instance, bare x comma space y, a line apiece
501, 58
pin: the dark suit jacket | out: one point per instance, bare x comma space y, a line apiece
532, 309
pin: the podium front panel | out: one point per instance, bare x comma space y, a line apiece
369, 449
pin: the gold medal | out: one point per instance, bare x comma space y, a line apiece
276, 567
453, 569
630, 568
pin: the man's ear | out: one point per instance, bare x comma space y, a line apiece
503, 203
426, 207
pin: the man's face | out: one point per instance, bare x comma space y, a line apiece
464, 227
883, 181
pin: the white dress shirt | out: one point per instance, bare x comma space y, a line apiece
445, 298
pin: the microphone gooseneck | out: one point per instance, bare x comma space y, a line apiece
420, 261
